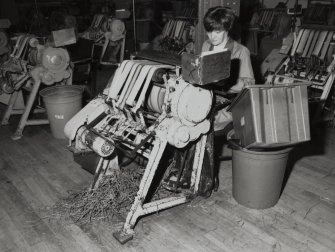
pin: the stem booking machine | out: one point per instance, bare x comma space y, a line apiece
29, 65
146, 110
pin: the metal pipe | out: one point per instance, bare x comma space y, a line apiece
134, 20
37, 121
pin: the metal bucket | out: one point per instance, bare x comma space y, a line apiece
61, 103
258, 176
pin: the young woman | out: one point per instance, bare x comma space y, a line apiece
218, 22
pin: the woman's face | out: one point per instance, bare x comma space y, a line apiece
217, 37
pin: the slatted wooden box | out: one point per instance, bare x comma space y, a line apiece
267, 116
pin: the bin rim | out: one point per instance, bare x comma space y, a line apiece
265, 151
234, 145
45, 93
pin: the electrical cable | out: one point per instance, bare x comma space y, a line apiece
38, 16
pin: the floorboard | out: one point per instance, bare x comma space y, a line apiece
38, 170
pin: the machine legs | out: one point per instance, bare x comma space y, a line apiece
10, 108
198, 160
139, 208
23, 121
25, 113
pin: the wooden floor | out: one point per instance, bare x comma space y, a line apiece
38, 170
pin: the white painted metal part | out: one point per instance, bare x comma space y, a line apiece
128, 114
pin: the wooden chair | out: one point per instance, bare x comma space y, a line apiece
110, 50
81, 56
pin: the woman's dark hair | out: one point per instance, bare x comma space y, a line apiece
219, 19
